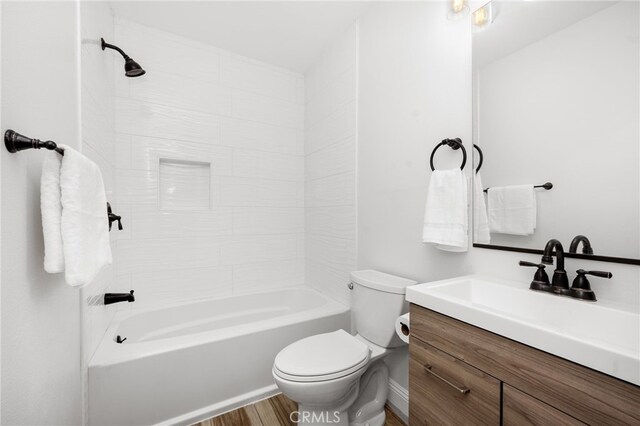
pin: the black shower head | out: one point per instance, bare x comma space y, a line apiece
131, 67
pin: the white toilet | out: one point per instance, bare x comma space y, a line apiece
340, 379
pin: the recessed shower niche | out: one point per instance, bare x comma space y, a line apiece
184, 185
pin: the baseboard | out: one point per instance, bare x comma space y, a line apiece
398, 399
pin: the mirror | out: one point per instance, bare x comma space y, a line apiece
556, 98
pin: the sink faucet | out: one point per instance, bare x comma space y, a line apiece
586, 245
559, 282
110, 298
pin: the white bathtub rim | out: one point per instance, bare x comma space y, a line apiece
109, 352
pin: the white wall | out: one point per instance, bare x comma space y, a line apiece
330, 166
231, 220
41, 380
413, 93
558, 110
98, 144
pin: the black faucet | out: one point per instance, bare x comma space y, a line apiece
110, 298
586, 245
559, 282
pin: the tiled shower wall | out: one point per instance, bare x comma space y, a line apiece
209, 171
98, 143
330, 168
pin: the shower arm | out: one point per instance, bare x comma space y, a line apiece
116, 48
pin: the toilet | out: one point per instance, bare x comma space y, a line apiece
340, 379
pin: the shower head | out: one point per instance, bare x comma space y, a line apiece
131, 67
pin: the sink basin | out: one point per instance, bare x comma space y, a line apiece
598, 335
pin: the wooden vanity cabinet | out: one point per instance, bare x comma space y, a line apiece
508, 382
518, 408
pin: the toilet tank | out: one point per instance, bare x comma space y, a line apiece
377, 299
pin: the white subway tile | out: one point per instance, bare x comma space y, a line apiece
181, 285
328, 281
336, 190
337, 126
136, 187
264, 137
331, 98
239, 73
97, 128
262, 276
258, 192
106, 169
146, 153
123, 151
338, 253
161, 51
184, 185
161, 121
260, 164
134, 256
150, 222
333, 159
181, 92
267, 110
267, 220
238, 250
335, 221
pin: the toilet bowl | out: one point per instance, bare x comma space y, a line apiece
334, 377
340, 379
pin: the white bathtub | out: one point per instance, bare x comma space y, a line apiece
184, 363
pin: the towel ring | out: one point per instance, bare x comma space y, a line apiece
455, 144
481, 159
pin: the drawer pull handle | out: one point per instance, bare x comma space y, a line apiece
463, 390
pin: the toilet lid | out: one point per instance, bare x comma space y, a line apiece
322, 357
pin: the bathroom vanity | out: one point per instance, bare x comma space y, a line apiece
462, 373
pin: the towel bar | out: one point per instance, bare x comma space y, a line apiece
16, 142
546, 186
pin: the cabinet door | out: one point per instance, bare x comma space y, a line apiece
518, 408
446, 391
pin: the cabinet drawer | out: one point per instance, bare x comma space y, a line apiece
589, 396
447, 391
518, 408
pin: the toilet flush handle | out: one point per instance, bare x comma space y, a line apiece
350, 285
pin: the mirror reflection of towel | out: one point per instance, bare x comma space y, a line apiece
512, 209
481, 234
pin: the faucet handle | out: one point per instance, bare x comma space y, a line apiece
601, 274
540, 279
581, 288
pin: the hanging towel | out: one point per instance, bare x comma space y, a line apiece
512, 209
51, 207
446, 216
76, 220
481, 233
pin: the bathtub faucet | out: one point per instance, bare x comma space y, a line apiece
110, 298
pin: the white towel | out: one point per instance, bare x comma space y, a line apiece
74, 217
512, 209
446, 215
481, 233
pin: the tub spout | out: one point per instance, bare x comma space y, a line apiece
110, 298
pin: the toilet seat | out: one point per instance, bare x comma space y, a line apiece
322, 357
